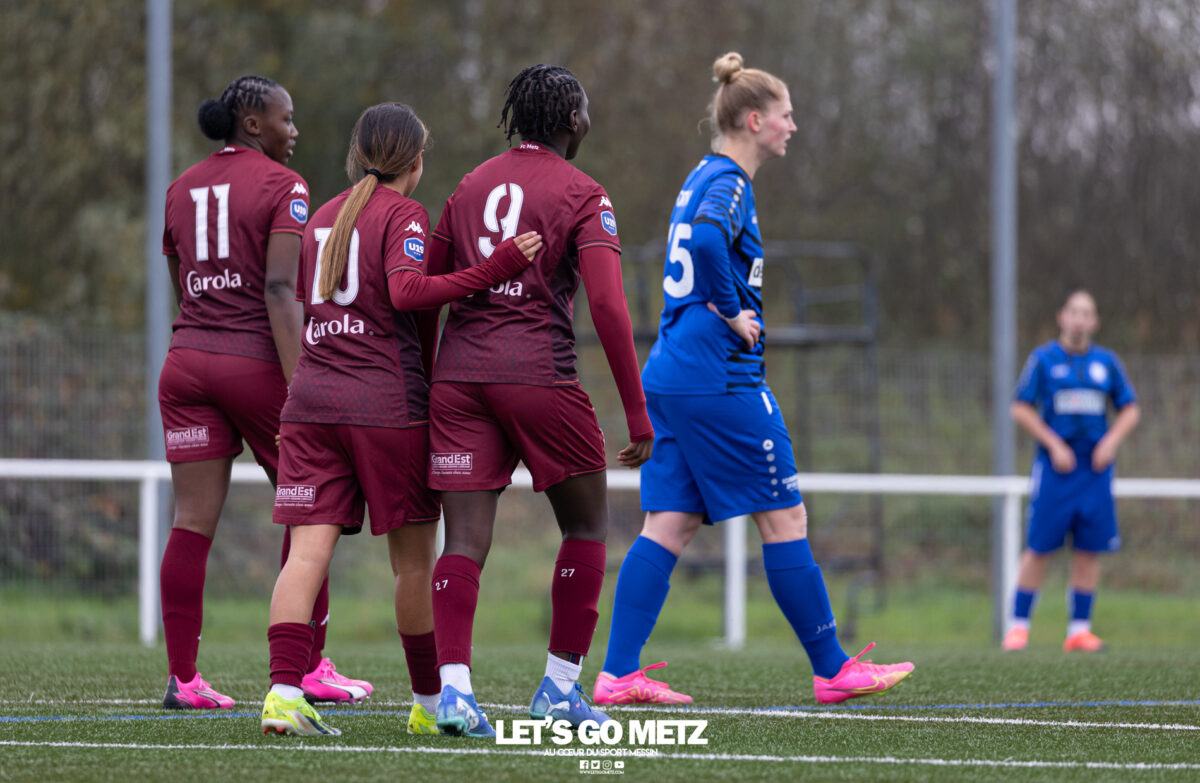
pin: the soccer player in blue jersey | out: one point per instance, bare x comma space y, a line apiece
722, 449
1062, 401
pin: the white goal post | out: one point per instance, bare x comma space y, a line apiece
151, 476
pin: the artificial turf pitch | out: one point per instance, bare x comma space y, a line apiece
91, 712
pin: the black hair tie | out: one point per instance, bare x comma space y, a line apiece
376, 172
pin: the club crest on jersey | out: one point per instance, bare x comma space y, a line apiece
609, 221
414, 248
299, 209
299, 188
1098, 372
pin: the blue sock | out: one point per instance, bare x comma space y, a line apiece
1023, 603
1079, 604
799, 589
642, 587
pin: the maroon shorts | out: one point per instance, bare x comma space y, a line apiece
327, 471
210, 402
479, 431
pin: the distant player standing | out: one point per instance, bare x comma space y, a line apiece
722, 447
232, 237
355, 425
505, 387
1071, 381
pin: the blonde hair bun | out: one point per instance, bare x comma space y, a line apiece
726, 67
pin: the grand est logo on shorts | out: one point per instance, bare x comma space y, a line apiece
457, 463
295, 495
187, 438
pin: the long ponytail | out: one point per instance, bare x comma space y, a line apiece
386, 142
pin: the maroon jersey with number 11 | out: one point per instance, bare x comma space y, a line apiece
220, 215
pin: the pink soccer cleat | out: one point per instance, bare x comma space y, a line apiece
1017, 638
859, 678
194, 695
325, 684
1084, 641
636, 688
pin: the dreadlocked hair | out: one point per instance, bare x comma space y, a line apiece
385, 143
218, 117
539, 101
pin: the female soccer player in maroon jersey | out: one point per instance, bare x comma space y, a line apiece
233, 226
505, 387
355, 426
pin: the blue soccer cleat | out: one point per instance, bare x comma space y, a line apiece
550, 702
458, 715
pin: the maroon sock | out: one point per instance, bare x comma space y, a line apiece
320, 618
181, 584
455, 595
290, 644
574, 593
420, 651
320, 615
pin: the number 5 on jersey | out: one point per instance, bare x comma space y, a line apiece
683, 285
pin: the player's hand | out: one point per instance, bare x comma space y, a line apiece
529, 243
635, 454
745, 325
277, 441
1103, 455
1062, 458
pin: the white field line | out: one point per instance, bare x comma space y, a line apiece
776, 713
1012, 763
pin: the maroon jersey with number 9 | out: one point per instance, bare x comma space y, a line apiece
520, 331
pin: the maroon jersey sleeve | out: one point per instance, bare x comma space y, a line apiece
289, 213
601, 271
595, 222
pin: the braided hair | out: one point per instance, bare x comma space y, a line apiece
218, 118
539, 101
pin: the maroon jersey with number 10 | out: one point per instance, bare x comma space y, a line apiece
361, 358
220, 214
520, 331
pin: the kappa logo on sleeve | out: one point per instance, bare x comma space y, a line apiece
415, 227
604, 202
609, 221
299, 210
299, 188
414, 248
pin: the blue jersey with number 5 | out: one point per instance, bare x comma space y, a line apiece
714, 254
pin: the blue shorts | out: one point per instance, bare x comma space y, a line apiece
722, 455
1079, 502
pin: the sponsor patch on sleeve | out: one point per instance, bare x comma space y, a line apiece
609, 221
299, 210
414, 248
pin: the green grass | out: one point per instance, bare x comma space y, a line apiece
55, 690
